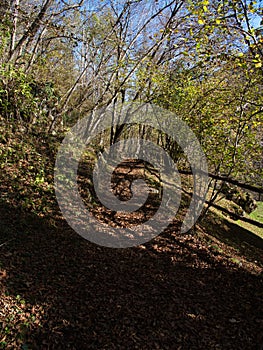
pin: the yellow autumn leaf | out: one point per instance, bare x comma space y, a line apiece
258, 65
201, 21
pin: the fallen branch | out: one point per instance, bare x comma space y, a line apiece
252, 188
236, 216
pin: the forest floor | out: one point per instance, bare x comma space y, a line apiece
199, 290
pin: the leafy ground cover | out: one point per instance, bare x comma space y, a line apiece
200, 290
192, 291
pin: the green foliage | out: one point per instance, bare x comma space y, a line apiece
16, 98
24, 102
26, 169
223, 109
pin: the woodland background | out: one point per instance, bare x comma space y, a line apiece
60, 61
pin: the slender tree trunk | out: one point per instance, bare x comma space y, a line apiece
15, 7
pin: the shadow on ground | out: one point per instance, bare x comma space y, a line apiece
232, 234
170, 293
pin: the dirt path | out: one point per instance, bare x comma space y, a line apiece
59, 291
